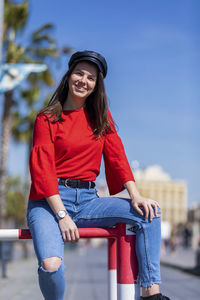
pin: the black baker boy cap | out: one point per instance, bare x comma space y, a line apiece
92, 56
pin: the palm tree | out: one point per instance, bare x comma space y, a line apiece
15, 18
42, 49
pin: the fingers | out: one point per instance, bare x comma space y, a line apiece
74, 235
155, 205
77, 237
71, 235
146, 210
155, 208
68, 236
151, 213
135, 205
144, 206
149, 206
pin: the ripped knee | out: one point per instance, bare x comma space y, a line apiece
52, 263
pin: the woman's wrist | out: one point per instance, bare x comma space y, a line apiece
55, 203
132, 189
66, 218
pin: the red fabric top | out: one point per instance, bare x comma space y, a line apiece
69, 149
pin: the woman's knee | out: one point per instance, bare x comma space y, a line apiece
52, 263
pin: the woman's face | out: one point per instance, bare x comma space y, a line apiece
82, 80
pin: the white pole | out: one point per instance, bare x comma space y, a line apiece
9, 234
112, 284
112, 269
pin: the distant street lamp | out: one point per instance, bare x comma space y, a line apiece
11, 75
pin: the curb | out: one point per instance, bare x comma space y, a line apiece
194, 271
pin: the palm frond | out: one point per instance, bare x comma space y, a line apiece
45, 27
16, 15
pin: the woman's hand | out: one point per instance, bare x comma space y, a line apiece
139, 201
68, 229
67, 226
147, 204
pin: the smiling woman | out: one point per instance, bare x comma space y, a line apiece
83, 86
70, 137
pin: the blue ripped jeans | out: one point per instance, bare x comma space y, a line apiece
87, 209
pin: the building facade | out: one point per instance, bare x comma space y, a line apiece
154, 183
172, 197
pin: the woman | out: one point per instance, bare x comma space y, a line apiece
70, 136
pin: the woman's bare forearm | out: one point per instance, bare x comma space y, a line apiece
131, 188
55, 203
67, 226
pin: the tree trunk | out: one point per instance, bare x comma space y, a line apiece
5, 139
26, 191
27, 176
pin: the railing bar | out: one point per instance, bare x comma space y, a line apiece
15, 234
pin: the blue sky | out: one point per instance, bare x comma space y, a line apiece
152, 51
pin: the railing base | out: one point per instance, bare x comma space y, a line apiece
128, 291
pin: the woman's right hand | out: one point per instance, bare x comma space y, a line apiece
68, 229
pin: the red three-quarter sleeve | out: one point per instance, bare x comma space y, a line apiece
42, 161
117, 168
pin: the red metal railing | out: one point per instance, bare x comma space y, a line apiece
122, 261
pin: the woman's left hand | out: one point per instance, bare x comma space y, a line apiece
147, 204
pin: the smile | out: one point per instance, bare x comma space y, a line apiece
80, 89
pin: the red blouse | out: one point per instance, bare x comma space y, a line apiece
69, 149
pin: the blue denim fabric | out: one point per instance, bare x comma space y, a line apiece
87, 209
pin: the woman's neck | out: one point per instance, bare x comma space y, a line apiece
71, 103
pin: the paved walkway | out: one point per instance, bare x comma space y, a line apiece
86, 276
183, 259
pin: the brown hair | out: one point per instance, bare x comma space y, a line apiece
96, 105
